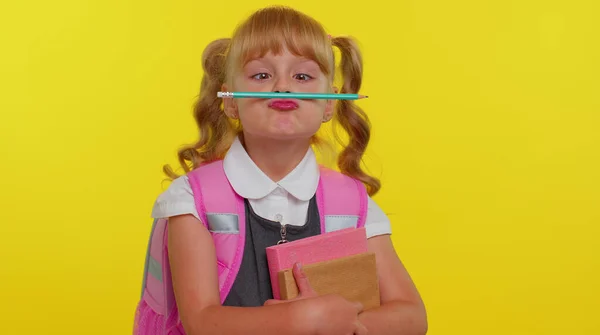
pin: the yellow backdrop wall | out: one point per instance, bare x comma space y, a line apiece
486, 137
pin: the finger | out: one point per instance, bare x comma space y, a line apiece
273, 302
304, 288
359, 307
360, 329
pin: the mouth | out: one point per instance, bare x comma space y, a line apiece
283, 105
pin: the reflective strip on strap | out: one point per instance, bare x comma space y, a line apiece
155, 269
223, 223
337, 222
154, 222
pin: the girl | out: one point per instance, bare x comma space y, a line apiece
266, 151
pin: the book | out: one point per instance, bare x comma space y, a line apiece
353, 277
318, 250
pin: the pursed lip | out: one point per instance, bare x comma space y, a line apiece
283, 104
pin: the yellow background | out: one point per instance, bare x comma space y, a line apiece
486, 137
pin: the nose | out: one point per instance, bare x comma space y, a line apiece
282, 84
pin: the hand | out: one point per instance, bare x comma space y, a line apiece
334, 315
305, 291
328, 314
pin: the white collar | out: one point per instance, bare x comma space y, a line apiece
250, 182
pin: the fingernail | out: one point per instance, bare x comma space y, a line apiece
298, 266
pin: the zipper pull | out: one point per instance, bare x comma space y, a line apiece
283, 231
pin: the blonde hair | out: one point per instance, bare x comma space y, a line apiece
271, 29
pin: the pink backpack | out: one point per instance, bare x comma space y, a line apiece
342, 203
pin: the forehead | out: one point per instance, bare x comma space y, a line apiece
280, 33
285, 56
282, 46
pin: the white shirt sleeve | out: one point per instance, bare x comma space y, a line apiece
377, 222
177, 199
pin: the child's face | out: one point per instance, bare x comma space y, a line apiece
275, 119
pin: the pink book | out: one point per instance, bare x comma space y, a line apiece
314, 249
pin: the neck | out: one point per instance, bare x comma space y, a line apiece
275, 158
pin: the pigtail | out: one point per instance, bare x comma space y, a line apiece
215, 129
351, 117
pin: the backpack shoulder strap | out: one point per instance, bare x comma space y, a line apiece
156, 279
214, 196
222, 212
342, 201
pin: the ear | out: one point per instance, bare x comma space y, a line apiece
229, 105
329, 107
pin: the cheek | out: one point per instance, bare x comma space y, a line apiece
246, 84
318, 86
240, 83
251, 111
322, 107
314, 113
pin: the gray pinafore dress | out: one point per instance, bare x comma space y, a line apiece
252, 286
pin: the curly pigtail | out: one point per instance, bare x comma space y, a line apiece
215, 128
351, 117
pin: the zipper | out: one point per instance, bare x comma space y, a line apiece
283, 233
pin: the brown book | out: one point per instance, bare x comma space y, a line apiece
352, 277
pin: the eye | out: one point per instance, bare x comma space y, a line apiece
303, 77
261, 76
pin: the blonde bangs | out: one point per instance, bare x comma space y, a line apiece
271, 29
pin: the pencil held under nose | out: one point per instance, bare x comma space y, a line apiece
288, 95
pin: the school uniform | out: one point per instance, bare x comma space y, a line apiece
268, 204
